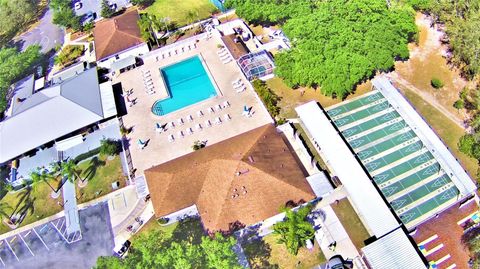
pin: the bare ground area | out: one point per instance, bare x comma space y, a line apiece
426, 62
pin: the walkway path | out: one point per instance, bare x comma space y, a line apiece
395, 77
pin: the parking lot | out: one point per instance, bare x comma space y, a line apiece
44, 246
96, 5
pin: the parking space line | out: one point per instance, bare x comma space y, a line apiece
41, 229
12, 250
26, 245
27, 233
13, 239
1, 260
39, 237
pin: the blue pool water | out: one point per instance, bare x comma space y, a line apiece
187, 83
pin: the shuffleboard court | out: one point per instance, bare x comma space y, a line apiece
406, 172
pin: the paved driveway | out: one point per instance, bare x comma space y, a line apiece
44, 247
47, 34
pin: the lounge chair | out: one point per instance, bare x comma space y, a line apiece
241, 89
180, 121
159, 128
190, 118
199, 113
199, 127
218, 107
208, 123
210, 110
171, 124
227, 61
238, 85
141, 144
224, 57
171, 138
227, 117
190, 131
235, 82
218, 120
194, 45
226, 104
180, 133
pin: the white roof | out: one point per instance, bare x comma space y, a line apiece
50, 114
108, 100
393, 251
371, 207
441, 153
320, 184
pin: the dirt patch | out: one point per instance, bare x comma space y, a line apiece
427, 60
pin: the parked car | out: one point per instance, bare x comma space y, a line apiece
113, 6
77, 5
89, 17
122, 249
336, 262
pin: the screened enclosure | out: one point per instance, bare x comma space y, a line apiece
256, 65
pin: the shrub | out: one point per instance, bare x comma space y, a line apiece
466, 143
162, 221
436, 83
269, 98
86, 155
459, 104
109, 147
198, 145
69, 55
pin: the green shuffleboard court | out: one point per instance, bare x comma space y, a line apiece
406, 172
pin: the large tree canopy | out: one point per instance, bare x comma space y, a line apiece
152, 250
14, 16
337, 43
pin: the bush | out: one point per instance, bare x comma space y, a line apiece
269, 98
459, 104
466, 144
109, 147
198, 145
69, 55
86, 155
162, 221
436, 83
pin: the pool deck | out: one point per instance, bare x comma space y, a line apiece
140, 117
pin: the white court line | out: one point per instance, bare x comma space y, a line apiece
39, 237
11, 250
31, 252
1, 260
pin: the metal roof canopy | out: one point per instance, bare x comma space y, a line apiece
393, 251
372, 209
125, 62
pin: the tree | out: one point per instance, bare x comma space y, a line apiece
466, 143
63, 14
69, 170
15, 15
106, 11
436, 83
109, 147
4, 207
13, 66
335, 44
459, 104
143, 3
153, 250
39, 176
294, 230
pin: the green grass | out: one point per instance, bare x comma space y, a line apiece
153, 225
351, 222
190, 230
182, 12
101, 179
447, 130
267, 253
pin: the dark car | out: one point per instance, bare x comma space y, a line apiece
121, 250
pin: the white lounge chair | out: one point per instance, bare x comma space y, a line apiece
190, 118
226, 104
208, 123
180, 133
180, 121
218, 120
210, 110
227, 117
199, 127
238, 85
171, 138
241, 89
190, 131
199, 113
218, 107
227, 61
224, 57
171, 124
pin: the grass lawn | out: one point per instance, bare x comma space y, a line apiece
36, 199
448, 131
189, 229
152, 225
351, 222
182, 12
291, 98
267, 253
100, 177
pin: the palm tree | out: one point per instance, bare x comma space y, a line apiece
3, 209
42, 176
70, 171
294, 230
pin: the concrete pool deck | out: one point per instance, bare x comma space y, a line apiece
140, 117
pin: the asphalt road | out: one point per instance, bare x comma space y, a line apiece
96, 6
46, 34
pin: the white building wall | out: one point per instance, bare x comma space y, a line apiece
134, 51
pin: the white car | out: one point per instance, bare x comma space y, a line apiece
78, 5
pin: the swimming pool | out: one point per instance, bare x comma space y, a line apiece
187, 83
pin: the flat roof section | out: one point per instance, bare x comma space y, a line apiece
372, 209
393, 251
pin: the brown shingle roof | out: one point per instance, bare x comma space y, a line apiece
117, 34
270, 174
